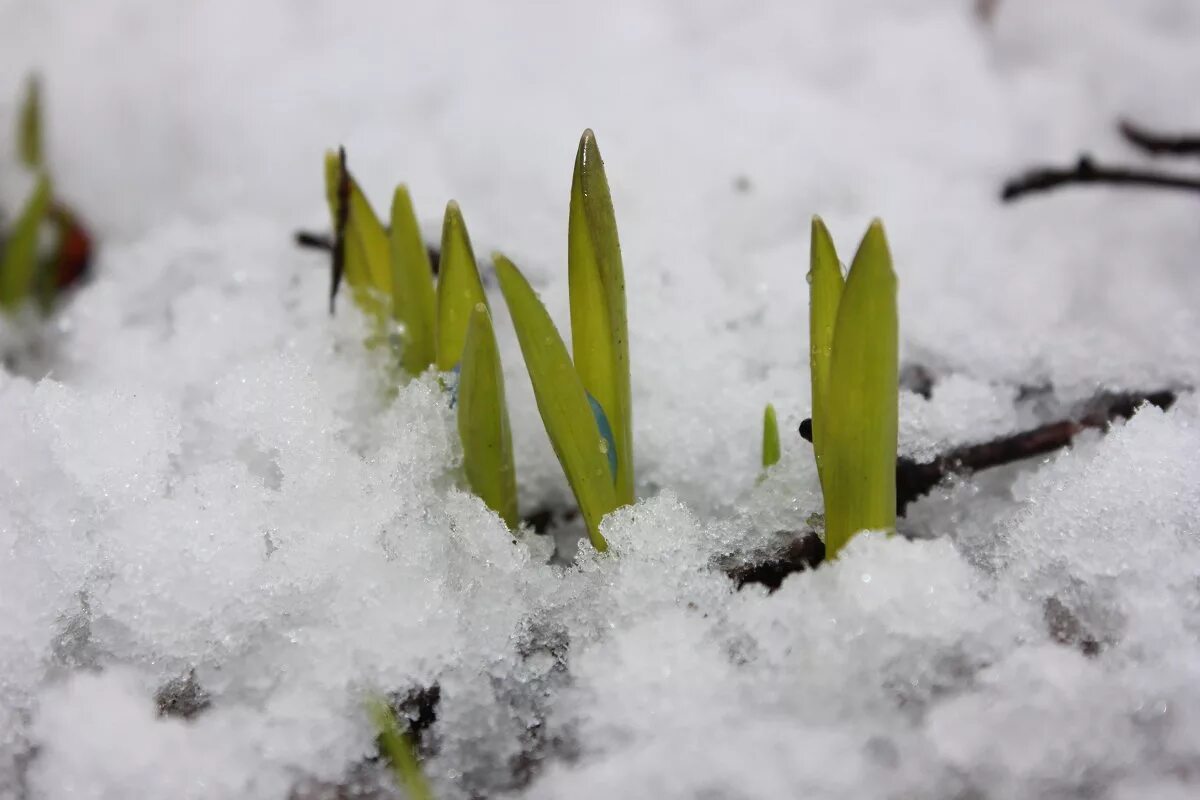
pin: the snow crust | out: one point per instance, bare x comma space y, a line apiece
205, 478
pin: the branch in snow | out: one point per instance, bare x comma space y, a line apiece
1088, 171
1157, 143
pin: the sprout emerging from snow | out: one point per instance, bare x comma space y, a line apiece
28, 270
585, 405
854, 357
391, 279
770, 438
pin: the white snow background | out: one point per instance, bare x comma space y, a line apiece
203, 474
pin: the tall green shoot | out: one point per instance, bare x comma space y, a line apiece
854, 340
599, 330
567, 413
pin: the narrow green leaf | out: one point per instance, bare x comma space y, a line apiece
599, 334
414, 303
29, 126
361, 253
770, 440
825, 292
459, 289
861, 415
396, 746
562, 401
483, 420
364, 225
18, 270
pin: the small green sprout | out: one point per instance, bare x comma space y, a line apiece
19, 266
585, 405
466, 341
599, 332
390, 275
770, 438
361, 252
566, 410
29, 126
483, 420
28, 269
414, 302
854, 367
459, 289
396, 746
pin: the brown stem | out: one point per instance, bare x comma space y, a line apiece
1087, 171
1158, 143
914, 480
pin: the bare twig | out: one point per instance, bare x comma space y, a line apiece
1087, 171
914, 480
1157, 143
314, 241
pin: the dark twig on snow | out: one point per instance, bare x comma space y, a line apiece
914, 480
1157, 143
314, 241
805, 550
1088, 171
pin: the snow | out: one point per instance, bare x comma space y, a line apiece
203, 474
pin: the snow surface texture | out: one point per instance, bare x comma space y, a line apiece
202, 474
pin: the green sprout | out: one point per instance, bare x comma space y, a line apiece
396, 746
391, 278
29, 126
466, 342
854, 367
598, 322
585, 405
567, 412
19, 267
29, 270
413, 298
770, 438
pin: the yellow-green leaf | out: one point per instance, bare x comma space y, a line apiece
414, 303
770, 439
359, 242
599, 334
861, 413
372, 252
18, 270
459, 289
562, 401
825, 292
483, 420
29, 126
396, 746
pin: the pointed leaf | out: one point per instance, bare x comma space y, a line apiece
359, 242
414, 303
459, 289
825, 292
860, 449
364, 225
599, 334
29, 127
770, 440
18, 270
562, 401
483, 420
